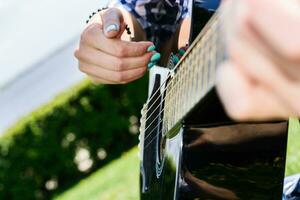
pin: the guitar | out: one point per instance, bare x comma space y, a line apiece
189, 147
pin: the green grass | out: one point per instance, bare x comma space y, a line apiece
117, 180
293, 150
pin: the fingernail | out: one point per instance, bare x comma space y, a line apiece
151, 48
175, 59
155, 57
111, 27
181, 52
150, 65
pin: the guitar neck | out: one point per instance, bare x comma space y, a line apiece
194, 75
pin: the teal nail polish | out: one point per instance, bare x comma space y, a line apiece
151, 48
175, 59
150, 65
155, 57
181, 52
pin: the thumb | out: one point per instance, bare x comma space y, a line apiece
113, 22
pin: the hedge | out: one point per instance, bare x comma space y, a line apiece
64, 141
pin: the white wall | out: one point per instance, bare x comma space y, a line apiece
37, 40
31, 29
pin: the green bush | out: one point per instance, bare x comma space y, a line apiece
67, 139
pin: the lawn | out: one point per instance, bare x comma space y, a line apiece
119, 179
293, 150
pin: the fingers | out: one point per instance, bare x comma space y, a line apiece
259, 62
275, 20
260, 69
244, 99
113, 22
93, 36
107, 59
255, 63
109, 62
109, 76
264, 61
97, 80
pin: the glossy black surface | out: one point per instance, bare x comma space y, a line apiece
239, 161
219, 160
212, 157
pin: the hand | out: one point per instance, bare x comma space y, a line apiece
261, 79
105, 57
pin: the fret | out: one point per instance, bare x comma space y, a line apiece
173, 103
185, 85
206, 66
174, 99
213, 62
182, 89
198, 77
192, 79
213, 54
186, 78
203, 75
194, 75
170, 104
178, 91
166, 112
208, 58
199, 71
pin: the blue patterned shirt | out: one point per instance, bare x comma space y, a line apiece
159, 18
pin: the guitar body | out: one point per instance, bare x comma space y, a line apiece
205, 155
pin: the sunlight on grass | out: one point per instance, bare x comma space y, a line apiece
293, 153
118, 180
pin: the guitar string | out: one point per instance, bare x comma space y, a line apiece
151, 98
188, 53
158, 134
167, 87
154, 128
158, 96
158, 106
163, 98
209, 36
159, 122
159, 114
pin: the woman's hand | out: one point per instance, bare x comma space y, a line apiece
105, 57
261, 79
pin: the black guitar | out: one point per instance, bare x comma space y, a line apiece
189, 148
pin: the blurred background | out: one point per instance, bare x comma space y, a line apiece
61, 137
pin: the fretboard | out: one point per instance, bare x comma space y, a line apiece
194, 75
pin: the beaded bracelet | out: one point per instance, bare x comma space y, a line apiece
127, 28
93, 14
